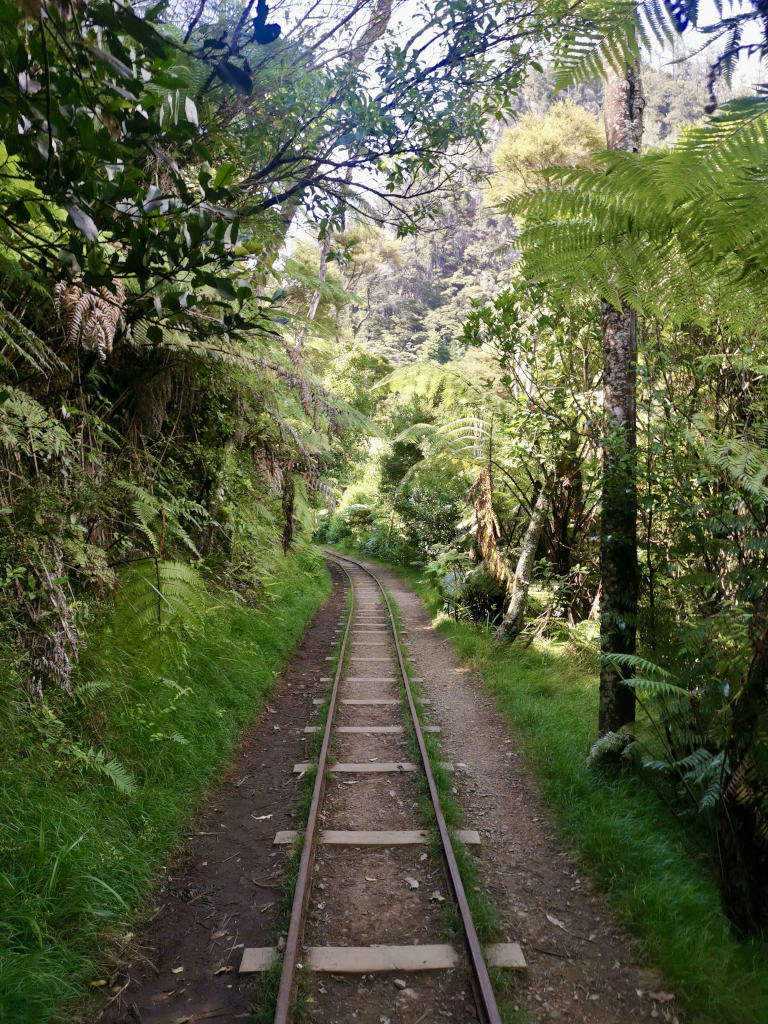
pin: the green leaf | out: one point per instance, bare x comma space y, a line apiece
222, 285
224, 175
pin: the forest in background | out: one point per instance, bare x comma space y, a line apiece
270, 277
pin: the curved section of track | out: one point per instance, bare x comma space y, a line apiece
484, 996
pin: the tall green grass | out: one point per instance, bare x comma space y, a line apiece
653, 864
77, 855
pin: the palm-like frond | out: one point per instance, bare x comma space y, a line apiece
612, 33
18, 341
162, 596
673, 233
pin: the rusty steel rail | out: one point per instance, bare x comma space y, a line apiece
285, 993
484, 990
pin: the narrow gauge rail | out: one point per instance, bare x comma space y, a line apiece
483, 991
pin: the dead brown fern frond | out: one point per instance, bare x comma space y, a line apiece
487, 530
90, 317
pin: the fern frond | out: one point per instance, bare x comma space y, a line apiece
86, 691
155, 516
96, 760
163, 596
27, 429
635, 662
24, 343
615, 32
656, 687
670, 232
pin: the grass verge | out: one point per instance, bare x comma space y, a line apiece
77, 854
651, 862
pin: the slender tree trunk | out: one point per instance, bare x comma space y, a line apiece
514, 617
742, 822
624, 103
296, 350
322, 273
567, 506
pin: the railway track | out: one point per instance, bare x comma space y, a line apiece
368, 693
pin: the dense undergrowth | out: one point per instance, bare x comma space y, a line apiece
78, 853
654, 865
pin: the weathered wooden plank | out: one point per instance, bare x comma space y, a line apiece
362, 701
379, 837
363, 767
370, 679
504, 954
376, 959
257, 958
353, 767
371, 729
381, 959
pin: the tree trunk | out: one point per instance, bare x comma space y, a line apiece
296, 350
514, 617
624, 103
567, 506
742, 822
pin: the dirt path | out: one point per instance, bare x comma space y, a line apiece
582, 966
222, 891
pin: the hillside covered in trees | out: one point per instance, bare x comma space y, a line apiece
475, 290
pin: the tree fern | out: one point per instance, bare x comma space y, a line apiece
614, 32
673, 233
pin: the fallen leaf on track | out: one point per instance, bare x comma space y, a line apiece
411, 882
557, 922
661, 997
